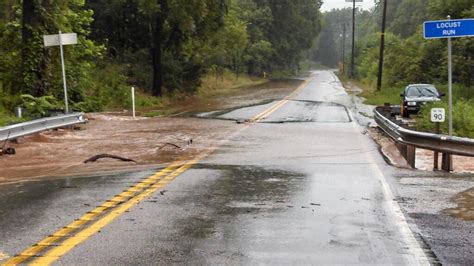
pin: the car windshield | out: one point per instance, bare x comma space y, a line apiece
422, 91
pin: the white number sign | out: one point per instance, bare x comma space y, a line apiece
438, 115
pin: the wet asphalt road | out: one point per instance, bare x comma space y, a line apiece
303, 186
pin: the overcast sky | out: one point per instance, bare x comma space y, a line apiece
330, 4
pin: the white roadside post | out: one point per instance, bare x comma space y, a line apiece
60, 40
133, 102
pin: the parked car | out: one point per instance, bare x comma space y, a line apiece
416, 95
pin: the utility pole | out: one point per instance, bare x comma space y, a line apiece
353, 37
343, 47
382, 46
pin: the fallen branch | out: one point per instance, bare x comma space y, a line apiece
9, 151
6, 141
3, 150
169, 144
105, 155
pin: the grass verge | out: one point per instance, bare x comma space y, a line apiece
463, 106
146, 105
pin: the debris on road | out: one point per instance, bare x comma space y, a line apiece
105, 155
3, 256
169, 144
9, 151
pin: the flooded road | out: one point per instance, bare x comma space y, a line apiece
301, 184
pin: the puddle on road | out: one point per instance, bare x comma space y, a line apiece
249, 186
239, 190
465, 208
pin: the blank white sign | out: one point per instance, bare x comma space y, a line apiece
66, 38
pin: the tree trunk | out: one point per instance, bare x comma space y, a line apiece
34, 59
156, 52
28, 20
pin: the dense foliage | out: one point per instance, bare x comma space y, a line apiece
409, 58
161, 46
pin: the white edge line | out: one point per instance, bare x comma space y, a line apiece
394, 207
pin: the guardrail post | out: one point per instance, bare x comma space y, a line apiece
411, 155
435, 161
402, 148
408, 152
447, 162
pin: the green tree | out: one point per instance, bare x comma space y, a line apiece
230, 42
40, 66
409, 17
167, 29
327, 51
294, 26
260, 50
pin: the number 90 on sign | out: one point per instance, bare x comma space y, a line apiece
438, 115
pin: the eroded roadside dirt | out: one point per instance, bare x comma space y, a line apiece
63, 152
465, 206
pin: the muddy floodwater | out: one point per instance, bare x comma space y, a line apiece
148, 141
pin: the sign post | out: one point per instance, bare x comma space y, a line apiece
451, 28
61, 39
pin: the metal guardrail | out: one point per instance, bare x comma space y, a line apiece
429, 141
35, 126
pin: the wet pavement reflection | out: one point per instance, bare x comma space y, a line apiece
276, 193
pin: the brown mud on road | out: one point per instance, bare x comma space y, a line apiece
63, 152
465, 208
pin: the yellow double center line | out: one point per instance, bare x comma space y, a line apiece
64, 240
93, 221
